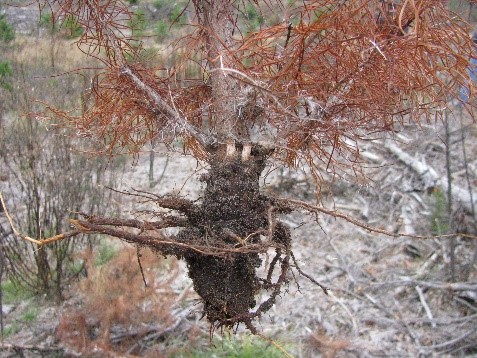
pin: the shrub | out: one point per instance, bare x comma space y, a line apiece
254, 18
115, 295
105, 253
7, 35
161, 30
46, 21
138, 23
175, 13
47, 181
72, 27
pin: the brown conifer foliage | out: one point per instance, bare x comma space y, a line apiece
305, 90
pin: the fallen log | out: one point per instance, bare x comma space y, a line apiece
431, 178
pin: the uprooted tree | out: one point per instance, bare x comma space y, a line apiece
302, 92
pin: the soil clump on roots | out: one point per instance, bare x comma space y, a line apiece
222, 238
239, 223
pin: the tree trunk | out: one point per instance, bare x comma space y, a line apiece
217, 18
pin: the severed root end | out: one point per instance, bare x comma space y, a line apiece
230, 151
246, 152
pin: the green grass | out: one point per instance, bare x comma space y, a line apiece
248, 347
30, 315
439, 217
11, 329
13, 293
5, 73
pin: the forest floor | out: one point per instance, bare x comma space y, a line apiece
389, 296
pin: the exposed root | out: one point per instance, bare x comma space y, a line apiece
222, 238
325, 290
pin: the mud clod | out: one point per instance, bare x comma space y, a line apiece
232, 214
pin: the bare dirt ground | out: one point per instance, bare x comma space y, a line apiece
389, 296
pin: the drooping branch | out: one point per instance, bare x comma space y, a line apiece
142, 101
350, 69
160, 105
308, 87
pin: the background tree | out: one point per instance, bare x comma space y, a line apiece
302, 92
